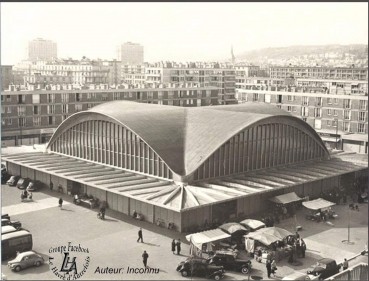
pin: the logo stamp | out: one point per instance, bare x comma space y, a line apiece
69, 262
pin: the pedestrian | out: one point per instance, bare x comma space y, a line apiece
140, 236
178, 244
173, 246
145, 256
303, 247
60, 203
345, 264
51, 185
274, 267
290, 257
102, 212
269, 268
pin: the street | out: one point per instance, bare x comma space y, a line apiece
113, 248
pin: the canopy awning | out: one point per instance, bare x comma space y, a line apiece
232, 227
318, 204
207, 236
253, 224
268, 235
286, 198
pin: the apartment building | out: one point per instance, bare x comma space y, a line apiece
336, 108
30, 117
131, 53
6, 76
41, 49
348, 73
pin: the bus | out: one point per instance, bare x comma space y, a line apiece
7, 229
13, 242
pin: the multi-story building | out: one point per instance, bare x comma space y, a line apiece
348, 73
6, 76
336, 108
41, 49
131, 53
30, 117
133, 74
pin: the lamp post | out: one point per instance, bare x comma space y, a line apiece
336, 121
348, 242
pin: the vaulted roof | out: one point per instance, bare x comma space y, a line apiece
185, 137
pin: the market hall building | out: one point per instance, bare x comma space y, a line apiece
186, 166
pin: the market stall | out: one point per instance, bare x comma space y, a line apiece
252, 225
320, 209
206, 241
286, 204
236, 231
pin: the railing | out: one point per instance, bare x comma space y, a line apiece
357, 272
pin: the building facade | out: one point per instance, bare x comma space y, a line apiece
6, 76
30, 117
336, 108
131, 53
41, 49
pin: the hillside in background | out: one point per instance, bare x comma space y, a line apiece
337, 52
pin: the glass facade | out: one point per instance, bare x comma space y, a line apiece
112, 144
259, 147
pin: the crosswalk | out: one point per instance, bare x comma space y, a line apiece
31, 206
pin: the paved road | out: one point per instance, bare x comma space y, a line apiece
112, 243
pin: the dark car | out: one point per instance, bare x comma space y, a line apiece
16, 224
230, 262
325, 268
13, 180
23, 183
35, 185
198, 267
5, 216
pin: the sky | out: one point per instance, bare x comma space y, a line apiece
178, 31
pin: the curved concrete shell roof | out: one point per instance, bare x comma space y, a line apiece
185, 137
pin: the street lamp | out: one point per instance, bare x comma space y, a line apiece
348, 242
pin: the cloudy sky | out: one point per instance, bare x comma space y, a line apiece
178, 31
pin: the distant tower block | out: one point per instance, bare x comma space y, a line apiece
233, 57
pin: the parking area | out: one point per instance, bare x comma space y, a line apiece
112, 242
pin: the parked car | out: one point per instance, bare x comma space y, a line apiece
35, 185
16, 224
230, 262
198, 267
4, 177
23, 183
5, 216
300, 276
25, 260
324, 268
13, 180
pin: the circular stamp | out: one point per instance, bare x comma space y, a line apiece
70, 261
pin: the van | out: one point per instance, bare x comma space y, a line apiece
13, 242
7, 229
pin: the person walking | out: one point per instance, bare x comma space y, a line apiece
60, 203
273, 266
140, 236
269, 268
51, 185
174, 246
303, 247
345, 264
178, 244
145, 256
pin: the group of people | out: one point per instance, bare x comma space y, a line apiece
26, 195
298, 247
271, 267
176, 245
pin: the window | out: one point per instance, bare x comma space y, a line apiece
362, 104
318, 101
290, 98
362, 116
50, 98
3, 109
10, 121
329, 111
318, 124
160, 95
8, 98
267, 98
289, 108
317, 112
65, 98
91, 96
21, 98
116, 96
78, 107
334, 123
329, 100
150, 95
255, 97
304, 111
361, 128
21, 110
335, 112
64, 117
64, 108
305, 100
51, 120
36, 121
36, 109
347, 114
22, 122
346, 103
329, 123
50, 109
78, 97
36, 98
346, 126
335, 101
104, 97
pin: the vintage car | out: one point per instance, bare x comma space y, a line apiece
13, 180
25, 260
230, 262
324, 268
198, 267
300, 276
